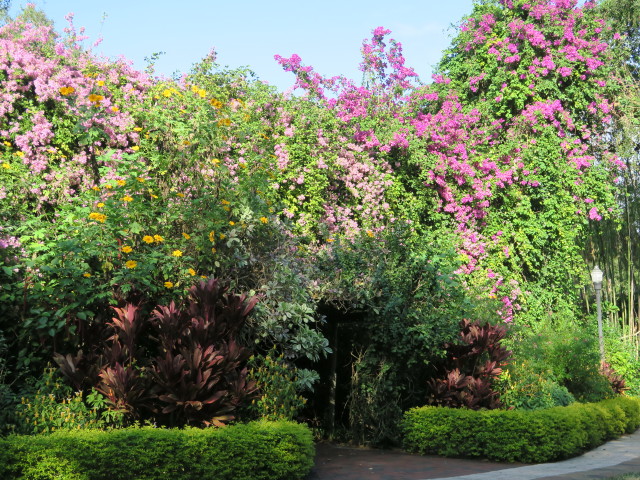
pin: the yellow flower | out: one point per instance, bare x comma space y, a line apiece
225, 202
192, 272
93, 98
86, 275
96, 188
215, 161
64, 91
108, 186
122, 183
186, 236
100, 205
213, 250
224, 122
330, 240
20, 154
158, 238
212, 236
131, 264
215, 103
167, 92
115, 109
222, 236
176, 253
370, 233
6, 166
100, 217
147, 239
168, 284
7, 144
181, 195
153, 196
226, 208
264, 219
127, 198
232, 223
137, 129
135, 148
140, 179
127, 249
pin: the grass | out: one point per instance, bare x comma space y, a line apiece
626, 476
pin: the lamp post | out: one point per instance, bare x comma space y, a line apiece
596, 278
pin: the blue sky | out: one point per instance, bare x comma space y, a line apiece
326, 34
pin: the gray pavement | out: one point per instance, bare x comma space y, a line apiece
613, 458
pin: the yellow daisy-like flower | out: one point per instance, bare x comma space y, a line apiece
232, 223
96, 188
137, 129
212, 236
6, 166
213, 250
186, 236
93, 98
167, 93
168, 284
86, 274
127, 198
131, 264
153, 196
224, 122
147, 239
215, 103
330, 240
225, 202
181, 195
222, 236
192, 272
115, 109
135, 148
264, 219
176, 253
140, 179
158, 238
64, 91
370, 233
100, 217
127, 249
100, 205
20, 154
215, 161
100, 83
122, 183
108, 186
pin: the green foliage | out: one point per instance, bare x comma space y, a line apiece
519, 435
565, 357
55, 406
255, 451
523, 389
276, 382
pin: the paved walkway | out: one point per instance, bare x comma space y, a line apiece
345, 463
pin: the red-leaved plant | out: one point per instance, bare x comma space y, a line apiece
471, 365
191, 369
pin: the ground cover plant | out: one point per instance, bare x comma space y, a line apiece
155, 233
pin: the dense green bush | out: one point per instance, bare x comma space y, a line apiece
258, 450
519, 435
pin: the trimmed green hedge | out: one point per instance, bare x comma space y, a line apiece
529, 436
254, 451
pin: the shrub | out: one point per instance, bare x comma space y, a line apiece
191, 368
470, 368
518, 435
255, 451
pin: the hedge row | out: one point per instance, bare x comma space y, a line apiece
528, 436
254, 451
